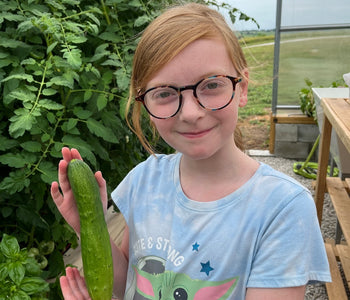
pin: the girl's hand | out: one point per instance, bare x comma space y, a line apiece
65, 201
73, 286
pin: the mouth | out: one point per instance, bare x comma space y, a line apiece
195, 134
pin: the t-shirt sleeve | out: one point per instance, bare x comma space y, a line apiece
291, 251
122, 193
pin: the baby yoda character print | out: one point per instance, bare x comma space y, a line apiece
176, 286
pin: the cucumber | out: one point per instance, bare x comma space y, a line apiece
95, 241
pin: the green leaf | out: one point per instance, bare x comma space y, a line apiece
25, 26
9, 246
73, 58
83, 147
14, 160
110, 36
100, 52
16, 182
81, 113
87, 95
20, 295
22, 94
6, 211
16, 271
33, 285
45, 137
31, 146
3, 271
49, 104
93, 18
51, 47
100, 130
6, 143
71, 123
49, 92
22, 121
22, 76
101, 101
28, 61
61, 81
31, 218
142, 20
48, 172
122, 79
9, 43
32, 266
12, 17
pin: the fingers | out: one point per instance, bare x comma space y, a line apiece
73, 285
103, 190
69, 154
63, 176
56, 195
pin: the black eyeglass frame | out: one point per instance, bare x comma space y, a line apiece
234, 80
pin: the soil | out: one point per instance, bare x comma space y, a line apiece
255, 132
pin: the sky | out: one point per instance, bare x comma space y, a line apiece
263, 11
294, 12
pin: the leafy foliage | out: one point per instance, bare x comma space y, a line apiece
20, 272
306, 97
64, 75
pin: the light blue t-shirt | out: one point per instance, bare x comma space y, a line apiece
265, 234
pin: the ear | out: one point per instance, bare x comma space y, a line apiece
243, 89
144, 285
216, 291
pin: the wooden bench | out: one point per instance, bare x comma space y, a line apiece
115, 224
339, 254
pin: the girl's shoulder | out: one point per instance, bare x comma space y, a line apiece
155, 165
159, 161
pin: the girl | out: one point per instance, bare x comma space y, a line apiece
208, 222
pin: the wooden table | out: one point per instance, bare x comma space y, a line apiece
337, 115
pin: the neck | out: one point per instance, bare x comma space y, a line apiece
213, 178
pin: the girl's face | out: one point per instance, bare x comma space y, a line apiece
194, 131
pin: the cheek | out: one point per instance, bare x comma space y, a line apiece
162, 126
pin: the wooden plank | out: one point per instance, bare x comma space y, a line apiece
335, 289
344, 255
116, 225
337, 111
341, 203
347, 185
323, 159
292, 119
272, 134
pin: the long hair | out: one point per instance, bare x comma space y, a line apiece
167, 36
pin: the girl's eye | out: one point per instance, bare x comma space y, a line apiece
164, 94
212, 85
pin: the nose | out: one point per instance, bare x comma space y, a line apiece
190, 109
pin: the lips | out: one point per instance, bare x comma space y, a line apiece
195, 134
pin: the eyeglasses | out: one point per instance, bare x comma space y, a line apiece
212, 93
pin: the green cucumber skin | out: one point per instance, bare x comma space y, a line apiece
95, 241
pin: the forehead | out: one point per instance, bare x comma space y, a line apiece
201, 58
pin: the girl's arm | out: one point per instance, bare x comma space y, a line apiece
120, 265
290, 293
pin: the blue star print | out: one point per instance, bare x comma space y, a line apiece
206, 268
195, 247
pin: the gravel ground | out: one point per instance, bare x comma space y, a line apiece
328, 227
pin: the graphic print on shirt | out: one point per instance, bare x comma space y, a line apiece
153, 282
171, 285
